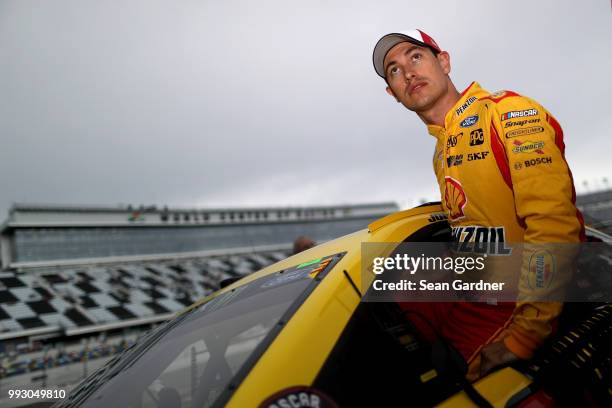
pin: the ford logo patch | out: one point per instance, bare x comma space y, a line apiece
469, 121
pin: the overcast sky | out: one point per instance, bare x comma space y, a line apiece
244, 103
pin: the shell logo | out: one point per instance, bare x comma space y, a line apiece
455, 199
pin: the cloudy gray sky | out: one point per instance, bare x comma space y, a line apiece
243, 103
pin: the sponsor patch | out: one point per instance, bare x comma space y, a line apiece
469, 121
475, 238
524, 132
476, 137
519, 114
528, 147
465, 105
538, 161
453, 140
521, 122
454, 160
498, 94
541, 270
455, 199
477, 156
299, 397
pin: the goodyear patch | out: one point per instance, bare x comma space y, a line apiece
524, 132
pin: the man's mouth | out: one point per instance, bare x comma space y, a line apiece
415, 87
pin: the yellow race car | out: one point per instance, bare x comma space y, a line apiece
297, 334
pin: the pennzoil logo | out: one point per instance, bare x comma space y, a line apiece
465, 105
523, 132
455, 199
541, 270
528, 147
519, 114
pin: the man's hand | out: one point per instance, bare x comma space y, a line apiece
493, 355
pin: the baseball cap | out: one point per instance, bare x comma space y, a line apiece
390, 40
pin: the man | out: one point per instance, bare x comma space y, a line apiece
499, 162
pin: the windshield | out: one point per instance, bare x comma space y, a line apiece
200, 354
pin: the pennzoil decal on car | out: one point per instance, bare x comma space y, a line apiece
476, 137
519, 114
528, 147
524, 132
299, 397
469, 121
455, 199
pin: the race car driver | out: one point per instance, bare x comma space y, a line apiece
499, 162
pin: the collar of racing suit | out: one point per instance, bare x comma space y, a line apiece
469, 95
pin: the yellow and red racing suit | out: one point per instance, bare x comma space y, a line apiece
499, 161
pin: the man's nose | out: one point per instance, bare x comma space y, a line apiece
408, 74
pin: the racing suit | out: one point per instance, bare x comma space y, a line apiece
499, 162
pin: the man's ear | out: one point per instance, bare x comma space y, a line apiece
390, 92
444, 60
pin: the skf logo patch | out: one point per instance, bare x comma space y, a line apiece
519, 114
541, 270
477, 156
455, 199
528, 147
524, 132
469, 121
476, 137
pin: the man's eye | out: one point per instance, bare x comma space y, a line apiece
416, 56
394, 70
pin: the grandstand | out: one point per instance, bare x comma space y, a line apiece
70, 274
597, 209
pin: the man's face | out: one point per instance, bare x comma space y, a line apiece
415, 76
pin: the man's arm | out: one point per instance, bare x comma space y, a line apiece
544, 199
